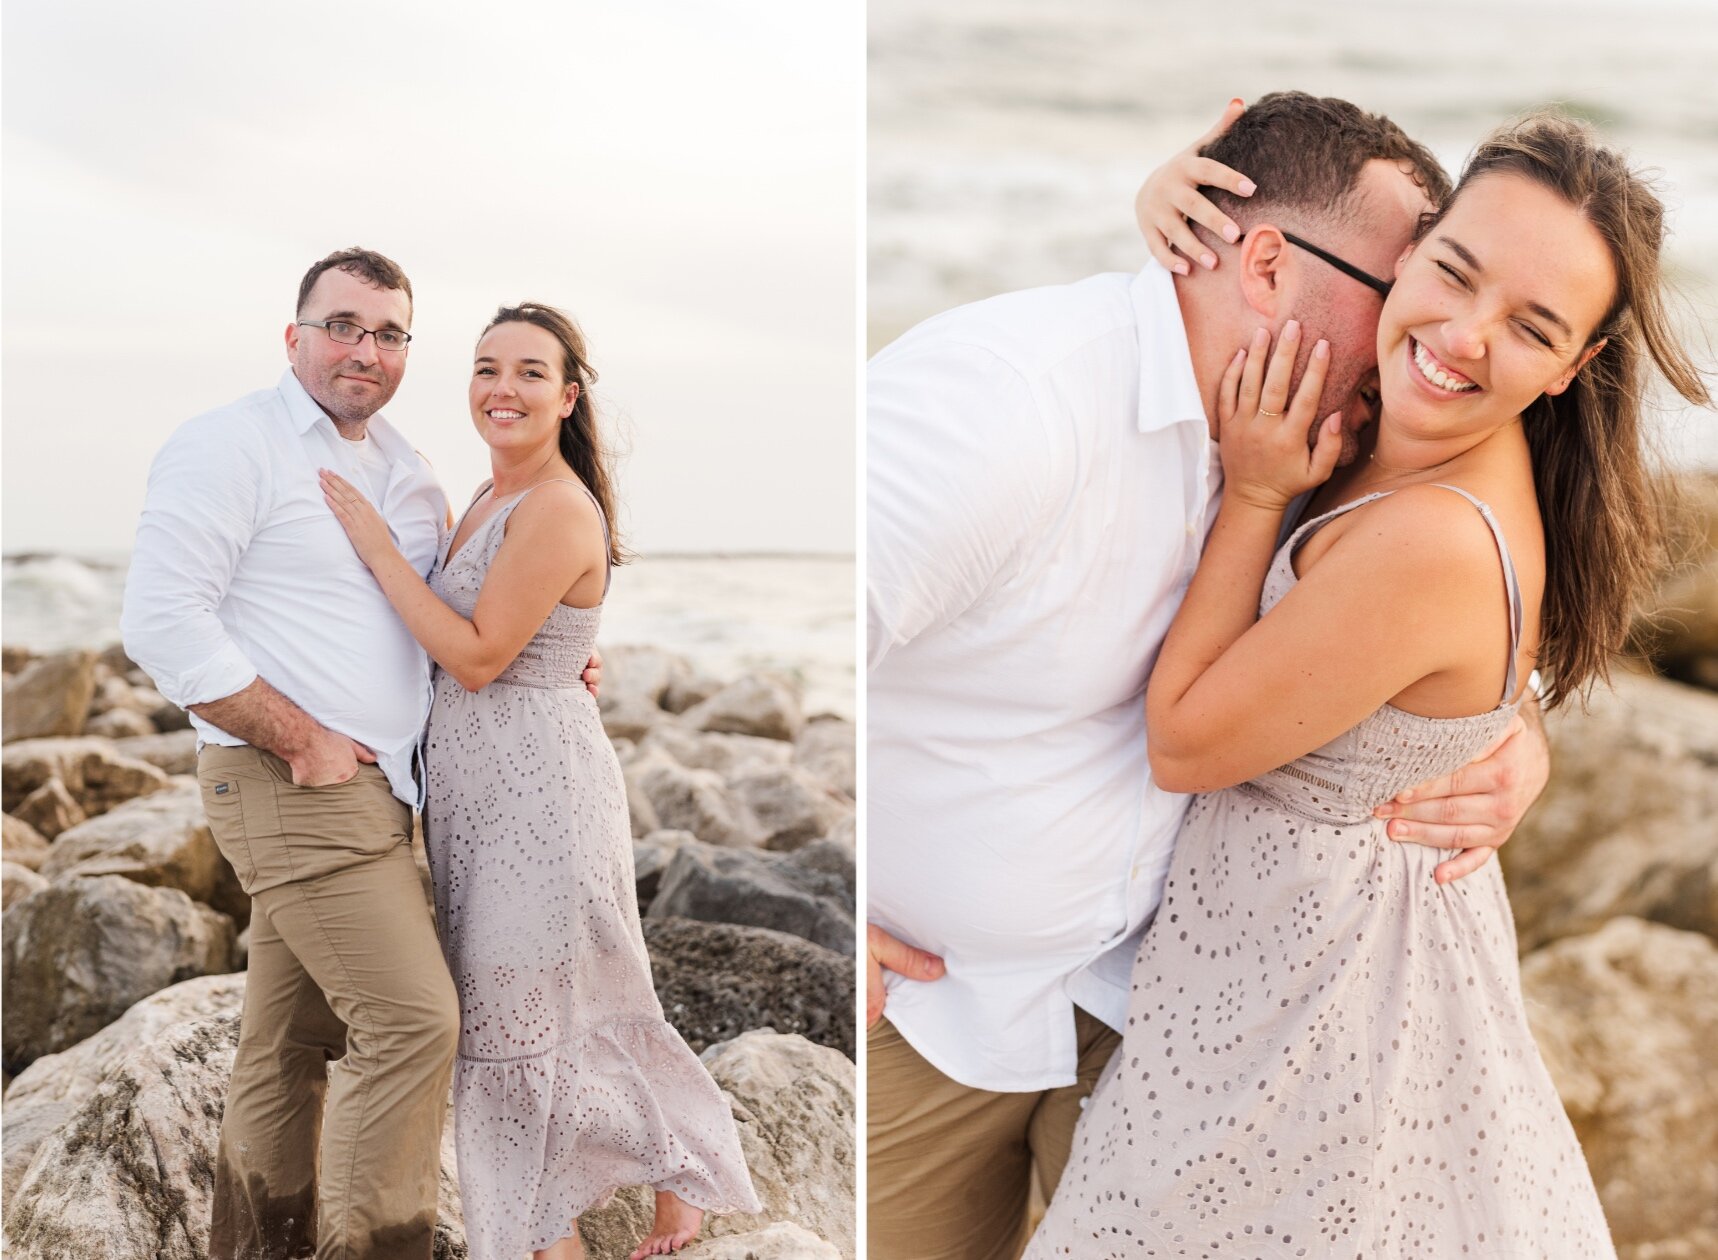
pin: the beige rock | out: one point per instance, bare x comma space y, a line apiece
81, 951
119, 724
172, 752
766, 705
631, 718
1626, 824
46, 1093
827, 747
49, 696
96, 774
14, 658
639, 672
168, 716
727, 755
845, 835
1681, 634
792, 805
50, 809
161, 840
1626, 1019
17, 882
113, 657
689, 689
782, 1241
23, 844
693, 800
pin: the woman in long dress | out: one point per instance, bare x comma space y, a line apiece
569, 1083
1326, 1052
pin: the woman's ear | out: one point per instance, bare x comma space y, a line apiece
1568, 378
572, 396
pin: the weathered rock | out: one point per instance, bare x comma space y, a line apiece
23, 844
630, 718
791, 804
828, 748
119, 724
161, 840
639, 672
1626, 1019
727, 755
17, 882
110, 692
693, 687
13, 658
172, 752
796, 1109
781, 1241
50, 809
81, 951
49, 696
168, 716
651, 856
113, 657
1626, 825
779, 892
48, 1091
133, 1166
638, 806
845, 835
693, 800
766, 705
717, 980
96, 774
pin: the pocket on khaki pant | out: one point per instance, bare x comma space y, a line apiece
240, 810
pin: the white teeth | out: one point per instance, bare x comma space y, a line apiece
506, 415
1436, 375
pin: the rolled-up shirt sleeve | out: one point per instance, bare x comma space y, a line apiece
958, 470
207, 493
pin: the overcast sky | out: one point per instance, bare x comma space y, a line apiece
682, 177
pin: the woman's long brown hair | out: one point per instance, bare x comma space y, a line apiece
1604, 521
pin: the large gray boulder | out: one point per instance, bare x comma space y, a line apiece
49, 696
828, 748
79, 952
47, 1092
765, 705
807, 893
727, 755
717, 980
650, 858
1625, 826
162, 840
1626, 1019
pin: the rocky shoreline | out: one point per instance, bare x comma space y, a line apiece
125, 936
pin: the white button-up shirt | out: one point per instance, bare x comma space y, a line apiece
1040, 482
240, 570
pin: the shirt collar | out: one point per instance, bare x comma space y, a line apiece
305, 412
1168, 390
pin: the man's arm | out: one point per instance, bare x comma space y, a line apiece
208, 492
958, 477
1479, 806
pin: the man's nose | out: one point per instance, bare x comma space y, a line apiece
366, 351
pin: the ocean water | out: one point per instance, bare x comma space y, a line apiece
727, 614
1007, 137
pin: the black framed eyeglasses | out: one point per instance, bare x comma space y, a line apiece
1380, 287
349, 334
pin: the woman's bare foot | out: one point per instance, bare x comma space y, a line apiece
677, 1221
568, 1248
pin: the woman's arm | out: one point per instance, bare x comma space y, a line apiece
1233, 695
1170, 197
554, 538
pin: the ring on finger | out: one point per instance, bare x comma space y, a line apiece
1274, 415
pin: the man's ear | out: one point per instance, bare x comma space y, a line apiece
1568, 378
291, 339
1265, 271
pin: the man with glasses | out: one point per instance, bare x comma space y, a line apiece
247, 605
1041, 473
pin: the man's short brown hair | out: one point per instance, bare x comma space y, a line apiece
366, 264
1305, 154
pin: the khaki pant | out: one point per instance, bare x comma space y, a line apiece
344, 968
950, 1168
